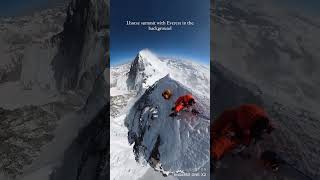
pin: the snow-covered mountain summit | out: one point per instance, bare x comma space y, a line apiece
147, 68
179, 143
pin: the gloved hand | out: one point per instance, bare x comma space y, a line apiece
173, 114
195, 112
270, 129
271, 160
231, 134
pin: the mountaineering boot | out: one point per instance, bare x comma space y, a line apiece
195, 112
174, 114
271, 160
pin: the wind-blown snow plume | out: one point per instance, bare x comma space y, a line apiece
147, 68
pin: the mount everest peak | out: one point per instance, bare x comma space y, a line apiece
147, 68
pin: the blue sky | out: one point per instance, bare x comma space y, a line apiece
192, 42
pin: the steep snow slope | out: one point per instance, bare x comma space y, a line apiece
257, 37
141, 70
183, 141
79, 144
118, 78
296, 137
274, 48
122, 160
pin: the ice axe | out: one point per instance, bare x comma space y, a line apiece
197, 113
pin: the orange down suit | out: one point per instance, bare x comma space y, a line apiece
182, 102
232, 128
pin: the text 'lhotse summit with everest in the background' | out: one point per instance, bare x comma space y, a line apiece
159, 25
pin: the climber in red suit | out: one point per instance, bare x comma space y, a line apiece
183, 102
238, 126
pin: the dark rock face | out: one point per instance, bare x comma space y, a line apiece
136, 66
83, 45
88, 155
14, 72
79, 65
23, 132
